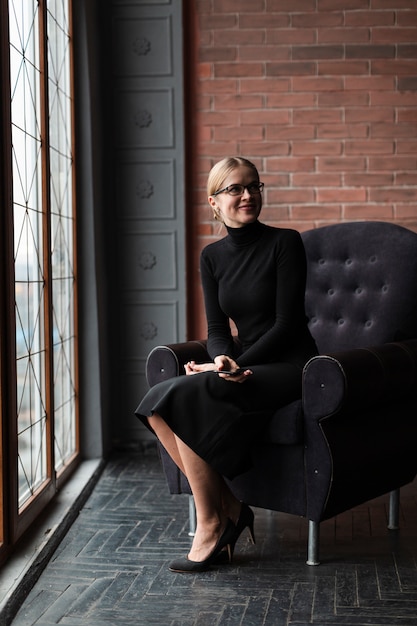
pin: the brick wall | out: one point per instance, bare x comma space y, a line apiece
320, 94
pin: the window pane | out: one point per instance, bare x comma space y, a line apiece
28, 252
62, 224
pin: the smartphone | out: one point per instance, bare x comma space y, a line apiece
227, 373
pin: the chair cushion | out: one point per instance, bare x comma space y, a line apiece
286, 425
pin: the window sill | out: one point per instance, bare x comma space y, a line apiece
25, 565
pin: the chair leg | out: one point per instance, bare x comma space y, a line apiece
313, 543
192, 516
394, 510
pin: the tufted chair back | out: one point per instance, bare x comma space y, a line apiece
361, 284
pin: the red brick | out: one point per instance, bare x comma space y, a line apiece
238, 6
365, 83
238, 37
272, 212
405, 178
265, 116
407, 115
389, 4
290, 196
345, 35
392, 163
393, 194
264, 149
395, 67
407, 211
226, 86
300, 53
311, 20
394, 98
291, 36
318, 148
394, 130
221, 118
292, 68
368, 212
356, 194
253, 133
232, 102
370, 18
289, 133
369, 114
370, 51
317, 116
289, 6
317, 84
291, 100
264, 85
238, 69
407, 50
407, 18
341, 164
341, 131
393, 35
368, 179
292, 164
407, 147
369, 147
268, 20
317, 180
344, 5
407, 84
343, 99
343, 67
263, 53
325, 212
203, 70
218, 54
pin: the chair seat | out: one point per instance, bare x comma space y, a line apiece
286, 425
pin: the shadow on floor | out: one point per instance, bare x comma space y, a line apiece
111, 568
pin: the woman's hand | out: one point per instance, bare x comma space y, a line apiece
195, 368
221, 363
227, 364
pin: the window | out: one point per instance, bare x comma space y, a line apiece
39, 331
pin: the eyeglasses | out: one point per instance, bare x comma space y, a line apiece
239, 190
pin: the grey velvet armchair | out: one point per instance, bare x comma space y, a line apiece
353, 434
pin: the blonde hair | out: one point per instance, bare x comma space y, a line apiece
221, 171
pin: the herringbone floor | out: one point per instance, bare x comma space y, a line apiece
111, 569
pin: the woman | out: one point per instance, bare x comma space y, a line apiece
209, 419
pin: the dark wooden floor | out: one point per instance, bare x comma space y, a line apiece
111, 568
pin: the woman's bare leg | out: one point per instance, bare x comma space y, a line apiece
214, 501
167, 438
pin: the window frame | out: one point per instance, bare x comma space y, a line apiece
14, 522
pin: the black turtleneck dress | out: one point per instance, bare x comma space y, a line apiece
256, 277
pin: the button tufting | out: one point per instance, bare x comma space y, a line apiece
330, 292
341, 321
368, 324
348, 262
322, 261
384, 288
358, 290
373, 259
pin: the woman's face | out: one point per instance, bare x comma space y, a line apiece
237, 211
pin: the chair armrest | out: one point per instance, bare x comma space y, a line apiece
369, 376
360, 425
165, 362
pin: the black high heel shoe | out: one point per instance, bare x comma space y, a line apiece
246, 519
187, 566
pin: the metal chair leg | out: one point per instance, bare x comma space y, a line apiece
192, 516
394, 510
313, 543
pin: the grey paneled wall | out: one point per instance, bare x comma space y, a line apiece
148, 158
